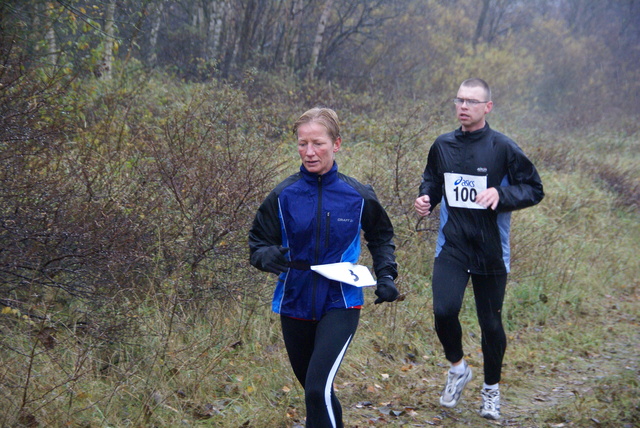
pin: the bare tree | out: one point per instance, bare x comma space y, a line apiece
293, 34
247, 32
481, 20
317, 43
357, 24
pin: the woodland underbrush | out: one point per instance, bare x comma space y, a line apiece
127, 297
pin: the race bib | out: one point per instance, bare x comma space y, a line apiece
462, 189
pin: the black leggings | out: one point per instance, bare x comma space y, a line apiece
449, 282
316, 349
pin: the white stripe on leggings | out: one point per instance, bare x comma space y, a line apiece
332, 375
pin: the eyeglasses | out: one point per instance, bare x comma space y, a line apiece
470, 103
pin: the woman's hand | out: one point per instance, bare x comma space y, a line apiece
386, 290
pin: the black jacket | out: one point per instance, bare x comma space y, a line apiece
478, 238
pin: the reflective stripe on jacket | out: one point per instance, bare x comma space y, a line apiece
319, 219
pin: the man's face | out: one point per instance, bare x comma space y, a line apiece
471, 117
315, 147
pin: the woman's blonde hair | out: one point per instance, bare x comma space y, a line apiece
325, 116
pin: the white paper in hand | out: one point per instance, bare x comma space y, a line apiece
346, 272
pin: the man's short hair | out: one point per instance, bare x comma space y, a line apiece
475, 82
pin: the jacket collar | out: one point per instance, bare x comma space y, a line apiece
328, 177
473, 135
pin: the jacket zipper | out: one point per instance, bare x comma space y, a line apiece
327, 229
317, 249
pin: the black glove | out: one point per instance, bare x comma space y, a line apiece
272, 259
386, 290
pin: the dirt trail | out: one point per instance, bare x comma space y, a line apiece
576, 383
572, 383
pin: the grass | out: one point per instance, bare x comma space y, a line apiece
570, 362
175, 351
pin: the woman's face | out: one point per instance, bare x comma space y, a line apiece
315, 147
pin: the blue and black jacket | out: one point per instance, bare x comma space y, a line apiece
479, 238
319, 218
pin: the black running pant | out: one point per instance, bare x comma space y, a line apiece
316, 349
449, 283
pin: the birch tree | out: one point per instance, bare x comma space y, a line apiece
153, 34
109, 33
217, 9
50, 35
317, 42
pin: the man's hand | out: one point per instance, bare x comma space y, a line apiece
488, 198
385, 290
423, 205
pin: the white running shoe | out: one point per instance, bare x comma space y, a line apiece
455, 385
490, 404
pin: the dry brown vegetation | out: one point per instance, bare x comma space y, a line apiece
126, 297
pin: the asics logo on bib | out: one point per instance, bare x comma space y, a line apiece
465, 183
